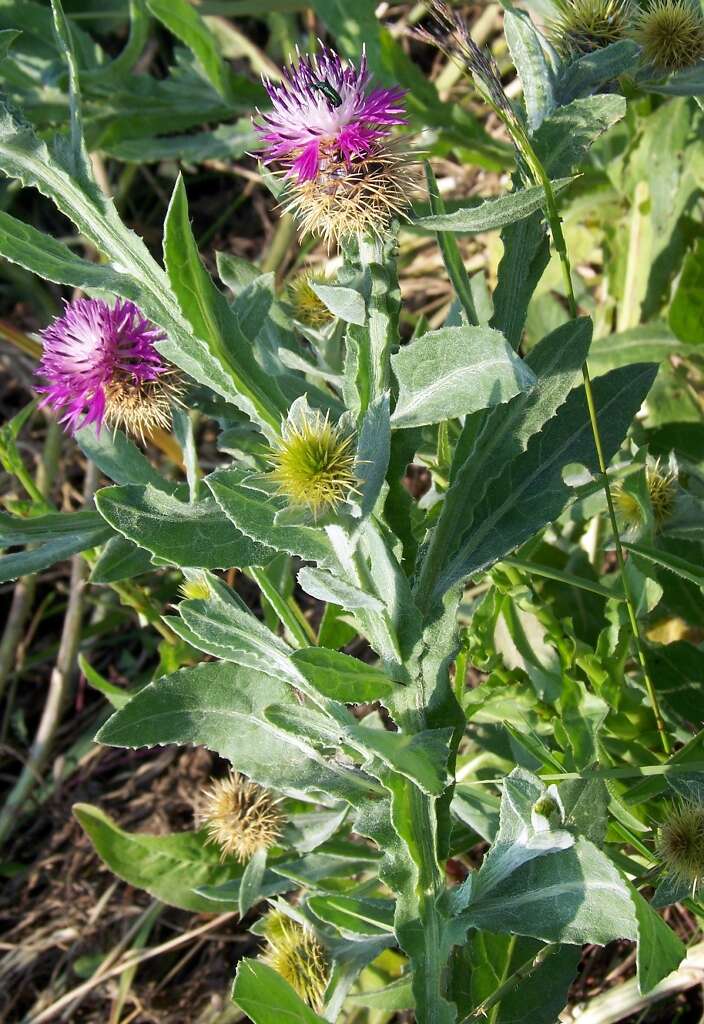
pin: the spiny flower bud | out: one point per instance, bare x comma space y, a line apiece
671, 34
583, 26
662, 491
307, 306
295, 953
239, 816
101, 366
331, 136
680, 842
195, 590
314, 462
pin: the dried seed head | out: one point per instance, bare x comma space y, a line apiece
308, 308
359, 197
583, 26
140, 407
314, 463
239, 816
670, 33
680, 842
662, 491
295, 953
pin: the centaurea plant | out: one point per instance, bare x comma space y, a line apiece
352, 736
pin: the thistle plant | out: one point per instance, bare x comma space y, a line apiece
364, 770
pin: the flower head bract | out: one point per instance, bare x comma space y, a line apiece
582, 26
680, 842
295, 953
671, 34
314, 462
101, 365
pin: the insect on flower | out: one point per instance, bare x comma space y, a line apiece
101, 366
330, 133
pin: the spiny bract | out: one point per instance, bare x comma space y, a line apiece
295, 953
681, 842
239, 816
314, 463
662, 490
583, 26
671, 34
308, 308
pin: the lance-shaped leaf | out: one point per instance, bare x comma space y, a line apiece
341, 677
532, 491
54, 537
529, 55
210, 316
493, 213
267, 998
185, 533
455, 371
168, 867
253, 512
556, 361
220, 706
421, 757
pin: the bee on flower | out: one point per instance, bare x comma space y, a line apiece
331, 135
101, 366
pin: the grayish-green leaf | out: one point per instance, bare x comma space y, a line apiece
340, 676
185, 533
220, 706
345, 303
455, 371
493, 213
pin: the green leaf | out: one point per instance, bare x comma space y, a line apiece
54, 525
183, 20
326, 587
221, 706
226, 142
653, 343
434, 372
533, 492
193, 534
168, 867
420, 757
120, 559
345, 303
210, 316
373, 453
452, 257
564, 138
120, 459
117, 695
677, 670
266, 998
687, 308
537, 999
251, 884
341, 677
492, 213
504, 434
22, 244
592, 71
660, 951
354, 916
253, 512
534, 71
673, 563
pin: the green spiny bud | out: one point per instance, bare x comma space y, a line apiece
671, 34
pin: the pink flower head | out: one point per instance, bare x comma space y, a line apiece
93, 352
322, 115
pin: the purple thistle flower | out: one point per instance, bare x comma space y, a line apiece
97, 361
323, 115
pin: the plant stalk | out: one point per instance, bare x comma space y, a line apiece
558, 238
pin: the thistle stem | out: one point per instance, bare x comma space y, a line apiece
561, 248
